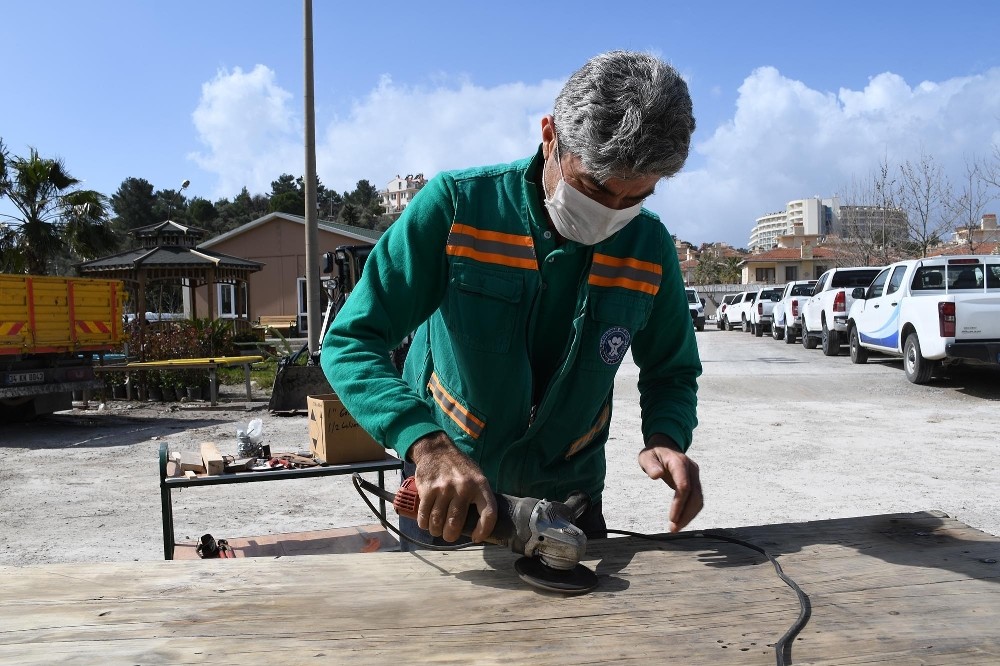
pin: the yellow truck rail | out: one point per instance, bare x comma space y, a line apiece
46, 315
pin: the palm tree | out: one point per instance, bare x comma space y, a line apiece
55, 219
730, 272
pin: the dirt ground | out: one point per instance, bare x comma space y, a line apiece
786, 435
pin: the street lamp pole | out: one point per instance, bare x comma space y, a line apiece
170, 203
311, 222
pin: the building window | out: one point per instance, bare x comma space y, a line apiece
226, 297
303, 306
791, 273
765, 275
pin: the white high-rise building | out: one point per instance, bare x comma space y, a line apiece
815, 216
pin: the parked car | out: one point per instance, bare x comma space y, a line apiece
824, 315
930, 311
787, 321
761, 313
696, 305
721, 311
738, 312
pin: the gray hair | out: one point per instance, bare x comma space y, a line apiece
625, 115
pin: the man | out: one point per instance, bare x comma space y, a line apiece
526, 284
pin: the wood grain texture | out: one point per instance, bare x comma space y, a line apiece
896, 589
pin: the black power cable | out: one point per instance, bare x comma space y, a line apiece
782, 649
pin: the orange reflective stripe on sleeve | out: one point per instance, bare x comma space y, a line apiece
626, 273
459, 414
491, 247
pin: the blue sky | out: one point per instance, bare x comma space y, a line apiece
792, 99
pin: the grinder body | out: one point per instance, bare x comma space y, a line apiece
526, 525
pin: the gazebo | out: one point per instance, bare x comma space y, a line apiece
168, 252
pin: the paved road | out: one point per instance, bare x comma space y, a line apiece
788, 434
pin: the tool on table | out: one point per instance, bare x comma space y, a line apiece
211, 548
541, 530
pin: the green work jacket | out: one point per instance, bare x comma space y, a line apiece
460, 267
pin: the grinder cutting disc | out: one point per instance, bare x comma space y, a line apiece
578, 580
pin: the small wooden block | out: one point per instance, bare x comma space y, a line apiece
189, 460
214, 464
190, 474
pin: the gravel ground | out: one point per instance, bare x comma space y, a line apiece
786, 435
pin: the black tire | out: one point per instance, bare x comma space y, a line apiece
745, 324
758, 330
700, 327
789, 336
859, 355
918, 369
777, 332
830, 341
808, 341
729, 325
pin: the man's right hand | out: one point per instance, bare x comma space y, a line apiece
448, 481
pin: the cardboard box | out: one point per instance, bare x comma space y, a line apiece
335, 436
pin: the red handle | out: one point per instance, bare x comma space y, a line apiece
406, 500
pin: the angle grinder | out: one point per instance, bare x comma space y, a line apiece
541, 530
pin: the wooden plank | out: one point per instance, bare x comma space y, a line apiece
900, 589
214, 464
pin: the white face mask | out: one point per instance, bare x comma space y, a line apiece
579, 218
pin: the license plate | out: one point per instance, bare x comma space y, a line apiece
25, 377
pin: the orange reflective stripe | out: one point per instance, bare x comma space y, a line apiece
588, 437
459, 414
491, 247
626, 273
644, 287
499, 236
93, 327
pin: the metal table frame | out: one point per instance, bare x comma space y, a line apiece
168, 483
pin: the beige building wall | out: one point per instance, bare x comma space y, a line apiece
280, 246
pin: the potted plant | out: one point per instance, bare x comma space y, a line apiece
192, 384
116, 381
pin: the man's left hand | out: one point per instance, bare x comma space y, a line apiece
662, 459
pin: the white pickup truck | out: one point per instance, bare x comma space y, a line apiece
930, 311
761, 314
787, 321
824, 314
738, 312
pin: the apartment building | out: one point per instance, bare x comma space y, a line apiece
809, 217
986, 233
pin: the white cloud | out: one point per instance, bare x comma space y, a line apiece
250, 133
400, 130
787, 141
784, 141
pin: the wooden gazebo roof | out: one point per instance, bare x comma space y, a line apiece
167, 251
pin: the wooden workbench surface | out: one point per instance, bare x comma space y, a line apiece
897, 589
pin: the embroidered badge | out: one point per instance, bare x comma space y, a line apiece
614, 343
